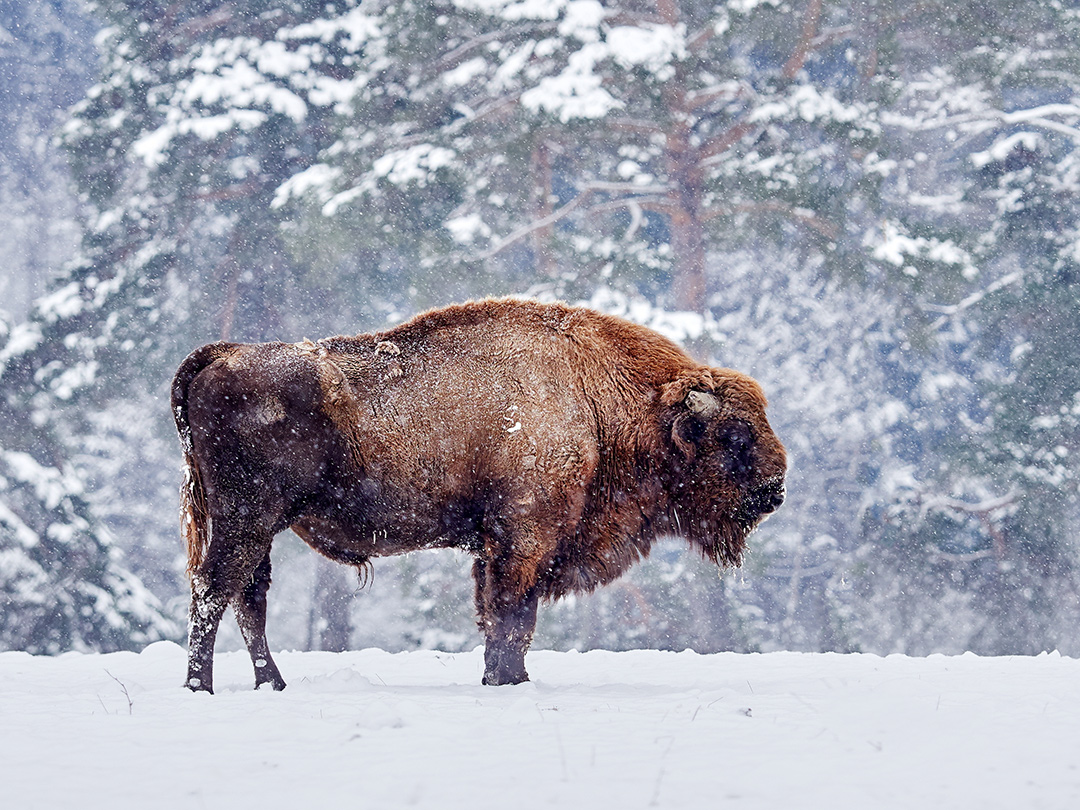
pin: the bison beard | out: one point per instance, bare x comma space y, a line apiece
553, 443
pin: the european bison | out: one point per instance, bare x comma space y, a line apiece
552, 443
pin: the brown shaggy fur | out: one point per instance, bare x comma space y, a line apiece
553, 443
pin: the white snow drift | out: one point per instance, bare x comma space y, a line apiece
596, 730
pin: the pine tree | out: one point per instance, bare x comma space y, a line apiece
978, 242
63, 582
47, 61
870, 206
176, 216
575, 142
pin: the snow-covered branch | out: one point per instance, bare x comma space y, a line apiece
803, 216
637, 195
559, 213
715, 148
951, 310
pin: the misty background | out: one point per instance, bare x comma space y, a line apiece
871, 207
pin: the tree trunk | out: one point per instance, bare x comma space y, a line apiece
683, 164
541, 172
329, 627
688, 249
687, 228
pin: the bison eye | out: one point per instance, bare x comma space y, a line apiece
736, 443
691, 429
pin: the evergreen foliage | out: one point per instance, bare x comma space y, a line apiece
47, 61
871, 207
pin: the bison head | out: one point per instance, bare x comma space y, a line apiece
727, 470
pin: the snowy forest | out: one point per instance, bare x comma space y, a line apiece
872, 207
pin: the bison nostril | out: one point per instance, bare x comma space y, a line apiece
769, 498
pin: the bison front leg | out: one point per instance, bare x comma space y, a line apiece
508, 620
250, 609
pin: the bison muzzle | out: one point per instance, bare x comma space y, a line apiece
553, 443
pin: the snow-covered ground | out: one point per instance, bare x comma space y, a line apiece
596, 730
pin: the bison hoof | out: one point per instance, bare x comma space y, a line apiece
276, 684
504, 678
199, 685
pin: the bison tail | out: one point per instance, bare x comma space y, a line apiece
194, 514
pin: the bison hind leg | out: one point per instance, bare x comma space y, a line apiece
203, 619
236, 571
250, 608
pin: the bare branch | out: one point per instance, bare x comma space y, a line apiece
490, 109
634, 18
699, 98
949, 311
661, 205
457, 55
649, 197
982, 508
641, 127
525, 230
803, 216
123, 689
208, 22
988, 119
805, 45
627, 188
698, 40
720, 144
972, 556
827, 38
984, 513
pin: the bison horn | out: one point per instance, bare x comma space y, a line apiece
702, 404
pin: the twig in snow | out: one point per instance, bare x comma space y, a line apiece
122, 689
655, 800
